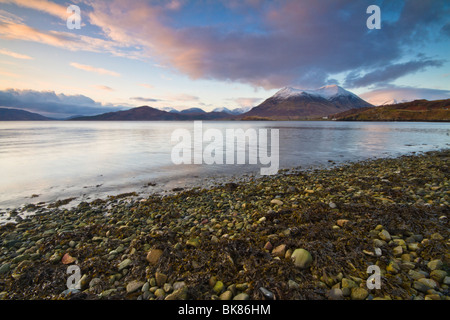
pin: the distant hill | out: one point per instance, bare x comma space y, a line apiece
417, 110
7, 114
296, 104
146, 113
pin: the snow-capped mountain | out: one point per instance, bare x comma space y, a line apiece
326, 92
234, 111
294, 104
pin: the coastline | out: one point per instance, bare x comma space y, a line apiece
230, 241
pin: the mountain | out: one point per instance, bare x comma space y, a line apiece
297, 104
235, 111
7, 114
417, 110
146, 113
192, 110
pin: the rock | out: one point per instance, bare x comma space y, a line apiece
397, 251
342, 222
167, 287
428, 282
242, 286
227, 295
268, 246
332, 205
301, 258
276, 201
266, 293
293, 285
68, 259
178, 285
107, 293
393, 267
55, 258
377, 243
413, 246
160, 278
416, 275
124, 264
179, 294
159, 293
279, 251
446, 281
335, 294
145, 287
347, 283
359, 294
384, 235
435, 264
94, 285
242, 296
5, 268
218, 287
420, 287
193, 242
134, 286
154, 255
437, 236
438, 275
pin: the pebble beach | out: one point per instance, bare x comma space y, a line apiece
299, 235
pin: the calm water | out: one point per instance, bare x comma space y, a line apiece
56, 160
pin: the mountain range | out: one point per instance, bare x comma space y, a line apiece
289, 103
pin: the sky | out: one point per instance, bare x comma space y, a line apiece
212, 54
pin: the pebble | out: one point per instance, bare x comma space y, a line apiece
160, 278
227, 295
276, 202
134, 286
124, 264
435, 264
266, 293
302, 258
384, 235
279, 251
359, 294
335, 294
242, 296
153, 256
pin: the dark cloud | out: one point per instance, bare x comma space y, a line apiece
48, 103
142, 99
389, 73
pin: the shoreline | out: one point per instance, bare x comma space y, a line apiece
238, 240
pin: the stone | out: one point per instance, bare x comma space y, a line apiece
55, 258
420, 287
335, 294
301, 258
5, 268
218, 287
277, 202
347, 283
377, 243
160, 278
429, 283
413, 246
242, 296
342, 222
227, 295
435, 264
293, 285
124, 264
266, 293
167, 287
397, 251
437, 236
179, 294
193, 242
332, 205
134, 286
446, 281
438, 275
68, 259
154, 255
178, 285
268, 246
159, 293
279, 251
359, 294
393, 267
384, 235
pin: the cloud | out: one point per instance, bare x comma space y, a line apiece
49, 7
389, 73
15, 54
146, 85
102, 87
142, 99
398, 93
247, 102
50, 104
94, 69
272, 44
299, 42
